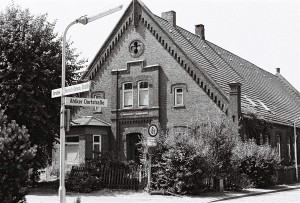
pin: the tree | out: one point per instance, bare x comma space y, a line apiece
16, 155
30, 67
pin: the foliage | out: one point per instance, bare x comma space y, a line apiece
258, 162
16, 155
256, 127
30, 67
185, 161
87, 177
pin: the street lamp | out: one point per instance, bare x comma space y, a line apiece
83, 20
295, 147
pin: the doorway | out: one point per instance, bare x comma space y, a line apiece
133, 146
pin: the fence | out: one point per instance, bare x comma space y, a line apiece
287, 175
117, 177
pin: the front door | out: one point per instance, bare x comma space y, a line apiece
133, 145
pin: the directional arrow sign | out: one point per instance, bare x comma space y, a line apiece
75, 101
83, 87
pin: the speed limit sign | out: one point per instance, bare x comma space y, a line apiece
153, 130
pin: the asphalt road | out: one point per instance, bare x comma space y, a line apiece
272, 197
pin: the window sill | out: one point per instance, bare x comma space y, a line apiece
179, 106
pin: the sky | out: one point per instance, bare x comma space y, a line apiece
264, 32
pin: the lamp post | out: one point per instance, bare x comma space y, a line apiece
83, 20
295, 147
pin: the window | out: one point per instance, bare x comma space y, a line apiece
143, 96
127, 95
97, 108
72, 150
278, 145
178, 97
289, 148
96, 145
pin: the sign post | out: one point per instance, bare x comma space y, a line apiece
151, 143
83, 20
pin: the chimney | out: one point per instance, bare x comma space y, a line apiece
170, 16
277, 70
199, 31
235, 101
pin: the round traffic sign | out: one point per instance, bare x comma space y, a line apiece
151, 150
153, 130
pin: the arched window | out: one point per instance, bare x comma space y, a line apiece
278, 145
289, 148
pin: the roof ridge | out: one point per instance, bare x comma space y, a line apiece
293, 89
210, 79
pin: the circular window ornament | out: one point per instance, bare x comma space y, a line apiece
136, 48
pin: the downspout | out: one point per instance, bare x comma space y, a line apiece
117, 115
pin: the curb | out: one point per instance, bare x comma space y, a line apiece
257, 193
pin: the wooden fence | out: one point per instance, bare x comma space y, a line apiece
119, 177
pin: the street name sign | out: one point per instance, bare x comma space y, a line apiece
75, 101
83, 87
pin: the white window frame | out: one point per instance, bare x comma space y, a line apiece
176, 94
278, 143
72, 143
143, 89
124, 91
97, 108
99, 143
289, 148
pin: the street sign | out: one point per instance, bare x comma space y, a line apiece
83, 87
75, 101
151, 142
153, 130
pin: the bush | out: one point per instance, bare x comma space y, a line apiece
258, 162
16, 155
88, 177
186, 161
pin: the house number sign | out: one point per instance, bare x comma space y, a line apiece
153, 130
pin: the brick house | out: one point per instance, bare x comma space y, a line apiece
152, 71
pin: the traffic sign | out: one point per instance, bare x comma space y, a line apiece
75, 101
83, 87
151, 142
153, 130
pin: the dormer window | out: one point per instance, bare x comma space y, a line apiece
127, 95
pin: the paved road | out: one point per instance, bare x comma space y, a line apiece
276, 197
291, 196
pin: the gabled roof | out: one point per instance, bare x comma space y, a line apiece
273, 97
89, 121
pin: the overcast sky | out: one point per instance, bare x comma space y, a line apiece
264, 32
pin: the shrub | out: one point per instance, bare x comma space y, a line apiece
185, 161
16, 155
88, 177
258, 162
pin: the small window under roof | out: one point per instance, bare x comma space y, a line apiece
250, 101
263, 105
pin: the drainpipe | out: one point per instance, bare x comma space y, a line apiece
117, 116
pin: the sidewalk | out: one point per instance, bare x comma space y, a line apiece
115, 196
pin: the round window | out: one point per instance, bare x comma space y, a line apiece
136, 48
